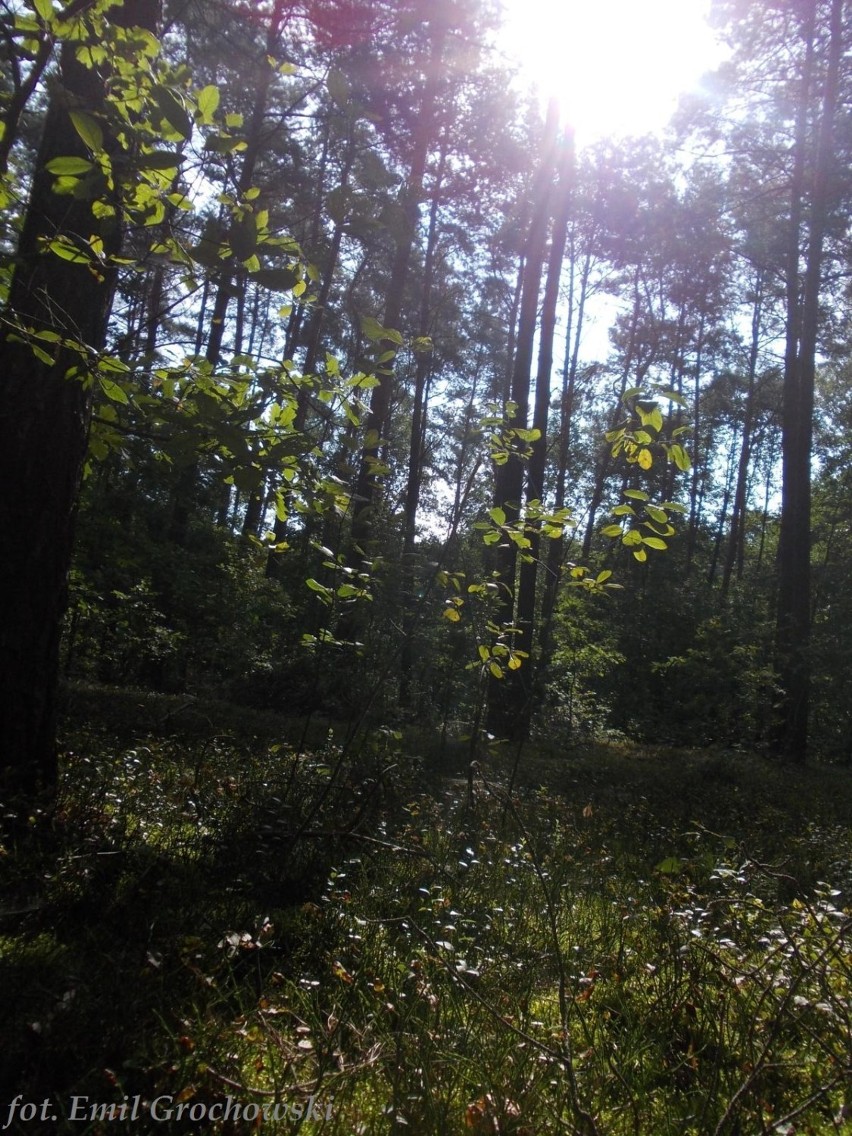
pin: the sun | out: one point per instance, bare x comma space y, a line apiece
616, 67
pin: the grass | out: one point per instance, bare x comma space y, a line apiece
634, 942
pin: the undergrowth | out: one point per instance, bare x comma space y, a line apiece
238, 936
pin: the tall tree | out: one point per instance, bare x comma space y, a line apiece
46, 401
809, 214
510, 473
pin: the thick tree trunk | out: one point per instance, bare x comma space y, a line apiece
794, 568
44, 425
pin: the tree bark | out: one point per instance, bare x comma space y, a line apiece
794, 570
44, 424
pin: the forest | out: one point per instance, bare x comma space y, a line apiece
424, 579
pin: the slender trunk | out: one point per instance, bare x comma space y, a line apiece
521, 681
417, 441
604, 463
183, 500
723, 512
557, 548
736, 535
368, 484
509, 477
694, 484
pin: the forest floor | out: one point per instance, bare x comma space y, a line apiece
233, 923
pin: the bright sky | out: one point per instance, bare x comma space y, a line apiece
616, 66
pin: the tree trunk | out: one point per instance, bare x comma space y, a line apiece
794, 569
604, 463
557, 547
417, 440
44, 425
509, 477
736, 535
521, 681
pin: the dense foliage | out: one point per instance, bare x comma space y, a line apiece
383, 480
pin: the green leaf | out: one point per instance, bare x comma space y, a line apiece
673, 396
88, 128
66, 251
670, 866
611, 530
680, 457
374, 330
243, 239
208, 102
498, 516
113, 391
223, 143
44, 9
173, 111
159, 160
68, 167
317, 587
276, 279
654, 542
636, 494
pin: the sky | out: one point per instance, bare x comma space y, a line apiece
617, 67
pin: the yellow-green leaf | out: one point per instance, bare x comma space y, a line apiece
68, 167
208, 102
113, 391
